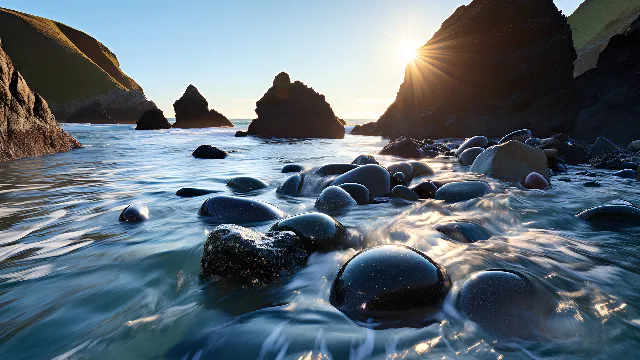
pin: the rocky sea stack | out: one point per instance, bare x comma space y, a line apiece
493, 67
294, 110
27, 126
153, 119
192, 111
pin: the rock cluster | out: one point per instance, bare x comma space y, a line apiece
192, 111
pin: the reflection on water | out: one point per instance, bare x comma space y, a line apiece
76, 283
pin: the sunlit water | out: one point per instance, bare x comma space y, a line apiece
76, 283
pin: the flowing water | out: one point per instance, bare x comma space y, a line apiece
76, 283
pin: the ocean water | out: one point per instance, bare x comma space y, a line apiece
77, 284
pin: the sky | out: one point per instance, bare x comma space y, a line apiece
352, 51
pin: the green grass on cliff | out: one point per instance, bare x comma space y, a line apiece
597, 18
59, 62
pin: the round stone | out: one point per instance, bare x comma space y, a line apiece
365, 160
466, 232
617, 215
245, 183
535, 181
317, 231
358, 192
635, 145
209, 152
335, 169
476, 141
462, 191
468, 156
403, 167
399, 178
134, 213
374, 177
403, 192
291, 186
425, 190
627, 174
334, 198
289, 168
193, 192
420, 168
230, 209
388, 282
518, 135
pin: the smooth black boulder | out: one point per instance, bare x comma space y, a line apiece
403, 192
462, 191
613, 216
246, 183
358, 192
518, 135
292, 186
239, 210
209, 152
627, 174
466, 232
425, 190
420, 168
249, 258
317, 231
391, 282
289, 168
194, 192
134, 213
365, 160
403, 167
334, 199
398, 179
153, 119
335, 169
374, 177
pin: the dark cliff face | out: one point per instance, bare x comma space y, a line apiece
493, 67
192, 111
27, 126
294, 110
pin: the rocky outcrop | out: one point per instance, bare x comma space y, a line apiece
294, 110
27, 126
610, 93
153, 120
493, 67
192, 111
92, 113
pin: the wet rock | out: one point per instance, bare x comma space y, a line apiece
153, 119
232, 209
627, 174
192, 111
504, 302
358, 192
602, 146
476, 141
403, 147
289, 168
425, 190
335, 169
334, 198
611, 161
241, 133
468, 156
612, 215
511, 161
403, 167
466, 232
462, 191
245, 183
403, 192
635, 145
391, 283
399, 178
533, 142
536, 181
209, 152
292, 186
134, 213
317, 231
193, 192
365, 160
250, 258
591, 184
376, 178
564, 179
569, 150
518, 135
628, 165
420, 169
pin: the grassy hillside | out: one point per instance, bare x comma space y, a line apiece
59, 62
596, 18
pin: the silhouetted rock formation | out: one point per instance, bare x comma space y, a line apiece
611, 91
27, 126
92, 113
493, 67
153, 120
294, 110
192, 111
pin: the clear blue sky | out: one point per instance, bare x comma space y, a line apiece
349, 50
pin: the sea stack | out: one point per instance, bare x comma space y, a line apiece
192, 111
493, 67
153, 119
294, 110
27, 126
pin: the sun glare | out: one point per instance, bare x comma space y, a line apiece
406, 52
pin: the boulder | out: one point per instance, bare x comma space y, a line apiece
245, 183
358, 192
468, 156
476, 141
334, 198
134, 213
403, 167
420, 169
241, 133
249, 258
374, 177
153, 119
403, 147
289, 168
365, 160
192, 111
293, 110
612, 216
231, 209
511, 161
425, 190
602, 146
569, 150
292, 186
335, 169
627, 174
535, 181
209, 152
466, 232
317, 231
193, 192
462, 191
403, 192
399, 179
635, 145
518, 135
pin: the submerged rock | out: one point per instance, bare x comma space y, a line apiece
462, 191
466, 232
476, 141
391, 282
535, 181
335, 169
511, 161
358, 192
134, 213
209, 152
289, 168
365, 160
245, 183
403, 192
192, 111
153, 119
469, 156
239, 210
317, 231
291, 186
250, 258
334, 198
374, 177
193, 192
519, 135
425, 190
612, 215
627, 174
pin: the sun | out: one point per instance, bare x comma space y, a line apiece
406, 51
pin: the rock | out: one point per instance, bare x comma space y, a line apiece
536, 181
392, 282
533, 142
518, 135
27, 126
613, 216
373, 177
405, 168
231, 209
293, 110
289, 168
425, 190
628, 165
462, 191
420, 169
403, 147
572, 152
399, 178
476, 141
403, 192
552, 155
334, 198
627, 174
134, 213
192, 111
91, 113
317, 231
365, 160
469, 156
504, 302
466, 232
250, 258
611, 161
241, 133
335, 169
153, 119
507, 74
511, 161
209, 152
635, 145
591, 184
292, 186
193, 192
358, 192
364, 129
245, 183
602, 146
564, 179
